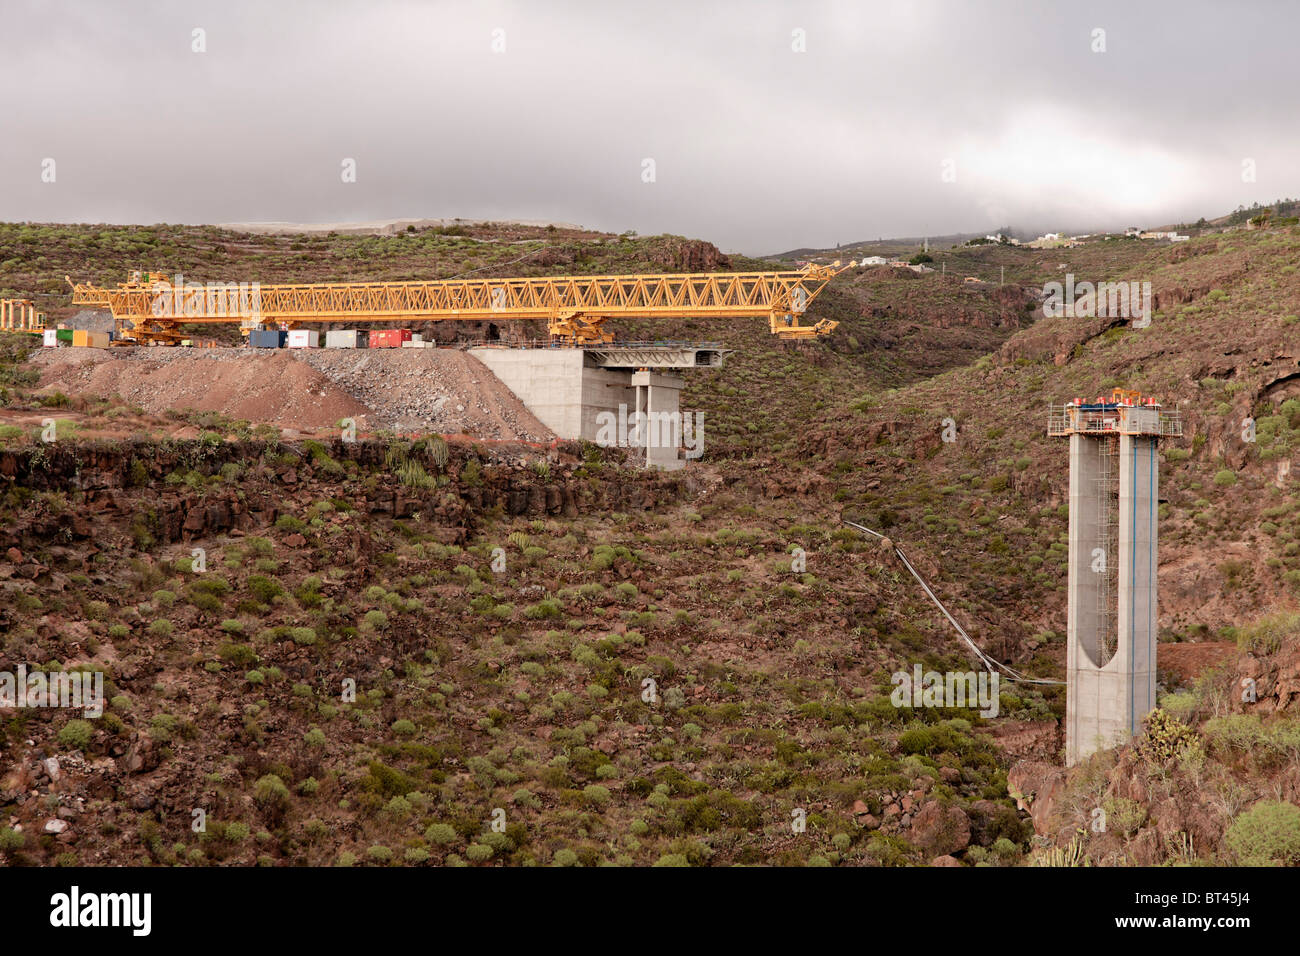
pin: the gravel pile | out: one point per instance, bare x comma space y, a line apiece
409, 390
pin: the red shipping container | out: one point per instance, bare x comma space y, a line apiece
406, 335
386, 339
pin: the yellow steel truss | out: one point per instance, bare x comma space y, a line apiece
20, 315
574, 307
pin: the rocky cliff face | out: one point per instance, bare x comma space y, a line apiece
188, 490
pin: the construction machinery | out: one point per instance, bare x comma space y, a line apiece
150, 308
20, 315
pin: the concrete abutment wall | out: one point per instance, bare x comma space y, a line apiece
577, 399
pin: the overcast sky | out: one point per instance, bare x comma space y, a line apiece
897, 118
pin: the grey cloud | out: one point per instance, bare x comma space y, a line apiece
756, 147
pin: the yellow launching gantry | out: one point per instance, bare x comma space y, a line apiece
152, 308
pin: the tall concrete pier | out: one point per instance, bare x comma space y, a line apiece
1114, 501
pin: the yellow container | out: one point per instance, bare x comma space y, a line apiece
93, 340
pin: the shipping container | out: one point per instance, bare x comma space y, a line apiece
304, 339
386, 339
94, 340
347, 339
50, 339
267, 338
64, 335
406, 335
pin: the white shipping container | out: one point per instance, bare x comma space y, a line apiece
304, 339
50, 339
341, 339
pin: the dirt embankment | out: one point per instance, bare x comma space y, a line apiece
401, 389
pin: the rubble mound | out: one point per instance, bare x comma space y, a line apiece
399, 389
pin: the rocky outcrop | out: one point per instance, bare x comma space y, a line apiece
940, 830
117, 487
1035, 787
675, 254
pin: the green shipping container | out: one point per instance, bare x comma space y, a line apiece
63, 335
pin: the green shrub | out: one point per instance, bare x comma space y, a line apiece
1267, 635
1235, 732
263, 588
1268, 834
76, 734
398, 807
240, 655
97, 610
442, 834
303, 636
270, 793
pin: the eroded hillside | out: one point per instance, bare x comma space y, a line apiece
644, 672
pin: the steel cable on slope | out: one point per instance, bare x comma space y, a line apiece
1012, 675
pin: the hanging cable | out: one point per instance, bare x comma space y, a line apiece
990, 664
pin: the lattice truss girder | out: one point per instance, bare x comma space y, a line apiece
573, 306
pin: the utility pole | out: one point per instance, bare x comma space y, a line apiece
1004, 276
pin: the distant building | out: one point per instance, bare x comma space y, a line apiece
1053, 240
873, 261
